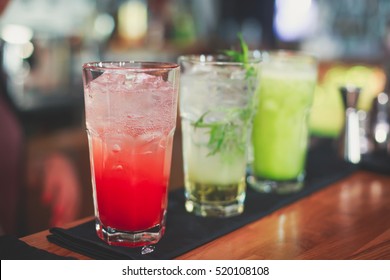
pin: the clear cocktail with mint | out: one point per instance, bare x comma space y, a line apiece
216, 105
280, 127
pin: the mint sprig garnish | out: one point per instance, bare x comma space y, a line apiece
239, 56
225, 134
242, 56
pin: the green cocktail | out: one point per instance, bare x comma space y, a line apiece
280, 128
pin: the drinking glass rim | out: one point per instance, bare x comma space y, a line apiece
284, 53
210, 59
130, 65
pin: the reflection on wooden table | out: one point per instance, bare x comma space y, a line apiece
347, 220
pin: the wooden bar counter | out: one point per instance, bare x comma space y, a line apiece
349, 219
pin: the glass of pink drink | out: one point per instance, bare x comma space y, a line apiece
130, 118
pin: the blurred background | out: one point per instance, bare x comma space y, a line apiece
43, 44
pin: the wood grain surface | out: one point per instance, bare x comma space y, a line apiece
349, 219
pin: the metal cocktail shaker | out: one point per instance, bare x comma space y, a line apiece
350, 136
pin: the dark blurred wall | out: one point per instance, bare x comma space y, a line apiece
253, 18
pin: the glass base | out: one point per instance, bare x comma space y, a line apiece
128, 238
273, 186
215, 210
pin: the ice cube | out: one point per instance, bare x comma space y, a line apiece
107, 82
203, 71
117, 167
130, 101
238, 74
116, 148
150, 136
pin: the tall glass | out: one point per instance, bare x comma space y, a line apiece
216, 105
130, 117
280, 127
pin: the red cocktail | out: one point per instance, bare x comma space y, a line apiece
130, 117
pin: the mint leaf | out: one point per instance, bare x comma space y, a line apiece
226, 134
235, 55
244, 49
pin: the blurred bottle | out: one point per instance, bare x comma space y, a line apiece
380, 122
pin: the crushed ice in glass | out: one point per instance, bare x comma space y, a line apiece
134, 103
